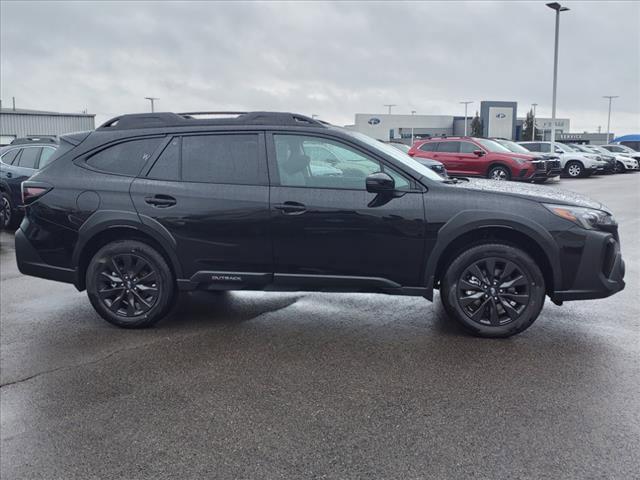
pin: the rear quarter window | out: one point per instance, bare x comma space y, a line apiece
126, 158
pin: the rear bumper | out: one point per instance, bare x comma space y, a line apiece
30, 263
600, 272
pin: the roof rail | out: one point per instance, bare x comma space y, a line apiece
169, 119
34, 139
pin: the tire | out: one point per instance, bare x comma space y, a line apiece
130, 284
7, 212
475, 309
574, 169
620, 168
499, 172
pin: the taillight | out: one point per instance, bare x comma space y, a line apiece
31, 191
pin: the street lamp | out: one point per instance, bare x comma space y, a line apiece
465, 116
413, 112
152, 100
610, 97
389, 105
533, 122
558, 8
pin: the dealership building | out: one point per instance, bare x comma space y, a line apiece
19, 122
499, 119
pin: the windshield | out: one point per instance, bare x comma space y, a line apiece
493, 146
513, 146
580, 148
395, 153
626, 149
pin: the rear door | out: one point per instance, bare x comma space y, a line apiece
448, 153
210, 191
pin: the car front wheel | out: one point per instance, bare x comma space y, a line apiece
620, 168
130, 284
493, 290
575, 169
499, 173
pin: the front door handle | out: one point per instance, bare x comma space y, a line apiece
161, 201
291, 208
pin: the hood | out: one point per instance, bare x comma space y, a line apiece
537, 193
427, 161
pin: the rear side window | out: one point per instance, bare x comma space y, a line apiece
167, 167
449, 147
46, 156
29, 157
8, 158
126, 158
429, 146
231, 159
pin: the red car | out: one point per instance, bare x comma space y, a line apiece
481, 157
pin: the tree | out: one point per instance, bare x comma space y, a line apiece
476, 126
526, 133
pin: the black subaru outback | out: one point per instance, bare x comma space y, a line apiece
151, 204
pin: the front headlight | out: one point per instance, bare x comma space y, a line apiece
519, 161
588, 218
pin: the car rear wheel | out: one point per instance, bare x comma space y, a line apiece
8, 215
499, 173
493, 290
130, 284
575, 169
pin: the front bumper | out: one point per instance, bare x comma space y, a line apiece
599, 272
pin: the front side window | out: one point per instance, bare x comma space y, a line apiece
468, 147
126, 158
223, 158
29, 157
305, 161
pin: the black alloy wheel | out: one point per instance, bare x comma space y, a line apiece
127, 285
493, 291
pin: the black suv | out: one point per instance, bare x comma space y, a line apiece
150, 204
18, 161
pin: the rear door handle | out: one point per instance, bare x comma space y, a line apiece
291, 208
161, 201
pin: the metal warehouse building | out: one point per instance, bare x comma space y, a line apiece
15, 123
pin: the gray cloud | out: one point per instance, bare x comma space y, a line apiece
331, 59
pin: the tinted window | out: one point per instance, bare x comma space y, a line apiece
319, 162
167, 166
448, 147
468, 147
429, 146
532, 147
125, 158
230, 159
29, 157
9, 157
46, 156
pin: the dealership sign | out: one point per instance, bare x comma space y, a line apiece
373, 121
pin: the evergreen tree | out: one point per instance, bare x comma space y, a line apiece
527, 128
476, 126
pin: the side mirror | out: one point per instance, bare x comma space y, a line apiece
380, 182
478, 153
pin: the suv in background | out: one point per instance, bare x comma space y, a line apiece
18, 161
623, 150
150, 204
552, 161
622, 163
607, 157
481, 157
574, 163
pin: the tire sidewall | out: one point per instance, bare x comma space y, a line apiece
499, 167
577, 164
522, 260
166, 283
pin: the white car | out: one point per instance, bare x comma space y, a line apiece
624, 163
622, 150
574, 163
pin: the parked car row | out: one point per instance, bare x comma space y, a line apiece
501, 159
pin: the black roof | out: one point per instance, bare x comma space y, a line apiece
169, 119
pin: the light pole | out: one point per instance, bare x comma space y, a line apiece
152, 100
466, 104
389, 105
533, 122
413, 112
610, 97
558, 8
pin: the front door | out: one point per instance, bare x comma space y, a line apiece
211, 193
327, 228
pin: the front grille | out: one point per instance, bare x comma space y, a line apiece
552, 164
609, 258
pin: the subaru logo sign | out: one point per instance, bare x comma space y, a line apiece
373, 121
500, 115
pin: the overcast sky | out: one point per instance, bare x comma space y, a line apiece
330, 59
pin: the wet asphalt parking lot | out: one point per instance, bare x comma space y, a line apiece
253, 385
